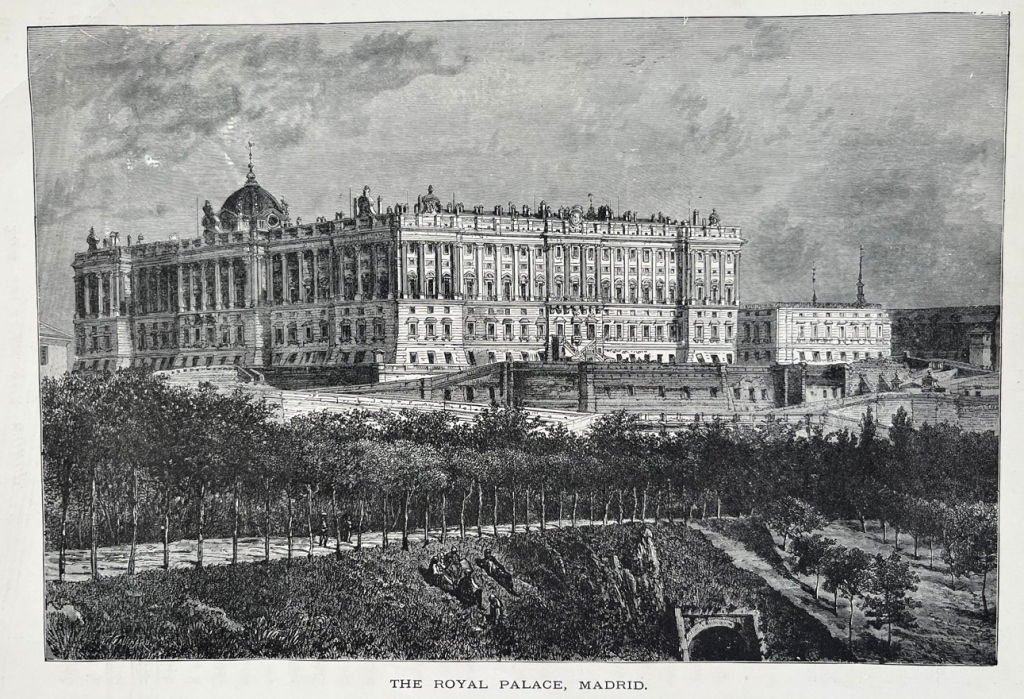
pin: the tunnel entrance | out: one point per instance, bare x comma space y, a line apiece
722, 643
728, 635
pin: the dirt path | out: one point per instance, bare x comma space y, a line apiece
747, 560
951, 628
113, 560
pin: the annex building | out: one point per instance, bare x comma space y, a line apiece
815, 333
428, 284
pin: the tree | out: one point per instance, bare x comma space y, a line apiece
68, 425
888, 601
811, 552
847, 572
793, 517
971, 543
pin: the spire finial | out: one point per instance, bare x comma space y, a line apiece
814, 286
860, 280
251, 177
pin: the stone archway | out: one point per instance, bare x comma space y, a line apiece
717, 636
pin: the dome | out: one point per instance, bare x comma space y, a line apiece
252, 201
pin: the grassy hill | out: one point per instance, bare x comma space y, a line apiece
572, 605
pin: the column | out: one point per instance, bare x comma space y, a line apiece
99, 294
457, 255
530, 293
403, 270
332, 278
374, 270
357, 250
438, 269
181, 289
203, 284
247, 289
316, 274
300, 257
514, 276
421, 268
479, 271
217, 298
707, 278
232, 301
286, 278
115, 275
268, 278
549, 271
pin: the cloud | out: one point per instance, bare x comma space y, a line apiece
147, 102
770, 42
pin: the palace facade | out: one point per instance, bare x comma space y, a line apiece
813, 333
437, 285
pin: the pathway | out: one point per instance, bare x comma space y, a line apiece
113, 560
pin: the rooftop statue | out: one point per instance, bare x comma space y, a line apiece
713, 219
365, 204
211, 222
429, 203
91, 239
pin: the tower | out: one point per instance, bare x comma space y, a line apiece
860, 281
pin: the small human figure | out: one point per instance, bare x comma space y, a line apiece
496, 609
346, 529
323, 529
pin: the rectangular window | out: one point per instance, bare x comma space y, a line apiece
632, 332
412, 357
470, 328
560, 329
44, 355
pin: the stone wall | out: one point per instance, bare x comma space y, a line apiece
873, 375
299, 377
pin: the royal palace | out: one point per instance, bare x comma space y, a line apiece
428, 284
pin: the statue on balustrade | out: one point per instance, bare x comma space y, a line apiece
713, 218
428, 203
211, 221
365, 204
92, 240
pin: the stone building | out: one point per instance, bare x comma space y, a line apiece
812, 333
53, 351
427, 284
960, 333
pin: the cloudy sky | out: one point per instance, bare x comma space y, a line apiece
815, 135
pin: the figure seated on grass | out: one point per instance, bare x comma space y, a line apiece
469, 593
435, 575
493, 567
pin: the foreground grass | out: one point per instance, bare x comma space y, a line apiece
375, 604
